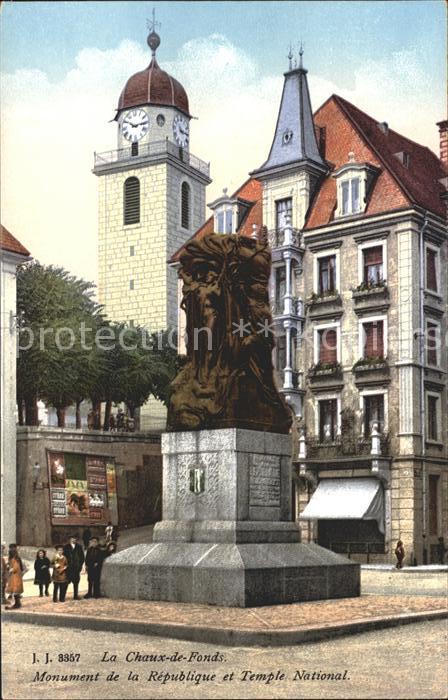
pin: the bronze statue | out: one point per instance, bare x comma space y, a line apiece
227, 380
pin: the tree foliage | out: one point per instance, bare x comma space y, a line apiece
70, 352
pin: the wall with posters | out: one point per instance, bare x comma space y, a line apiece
68, 479
82, 489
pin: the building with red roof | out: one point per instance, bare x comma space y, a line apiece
355, 215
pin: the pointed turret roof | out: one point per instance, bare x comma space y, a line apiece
295, 138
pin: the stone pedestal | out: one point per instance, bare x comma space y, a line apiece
226, 537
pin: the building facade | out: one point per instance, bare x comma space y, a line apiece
13, 254
355, 215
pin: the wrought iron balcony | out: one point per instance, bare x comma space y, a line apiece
149, 150
344, 447
278, 307
279, 238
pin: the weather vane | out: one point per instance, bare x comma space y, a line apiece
152, 24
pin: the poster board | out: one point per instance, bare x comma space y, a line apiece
82, 488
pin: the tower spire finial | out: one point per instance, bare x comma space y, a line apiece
153, 38
301, 54
290, 57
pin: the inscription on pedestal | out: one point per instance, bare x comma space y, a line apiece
264, 480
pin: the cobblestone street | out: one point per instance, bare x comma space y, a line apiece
405, 662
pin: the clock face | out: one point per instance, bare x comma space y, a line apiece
135, 125
181, 131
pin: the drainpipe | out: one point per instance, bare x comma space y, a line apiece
422, 387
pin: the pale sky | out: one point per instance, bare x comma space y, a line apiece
64, 64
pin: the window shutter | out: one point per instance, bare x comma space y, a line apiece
431, 344
328, 346
131, 201
374, 342
185, 205
431, 276
373, 256
432, 418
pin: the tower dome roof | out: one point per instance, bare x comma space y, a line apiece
153, 86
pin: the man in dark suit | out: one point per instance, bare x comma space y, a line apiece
94, 562
74, 554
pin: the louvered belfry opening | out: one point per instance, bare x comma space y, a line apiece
185, 205
131, 201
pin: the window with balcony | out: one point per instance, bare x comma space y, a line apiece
326, 274
185, 205
373, 345
433, 428
328, 419
373, 265
131, 203
328, 346
283, 211
432, 269
373, 413
432, 340
350, 200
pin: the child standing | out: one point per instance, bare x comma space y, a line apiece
42, 576
60, 581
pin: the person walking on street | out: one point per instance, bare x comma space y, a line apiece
15, 576
441, 549
4, 573
109, 532
400, 554
86, 537
60, 581
42, 576
94, 562
74, 554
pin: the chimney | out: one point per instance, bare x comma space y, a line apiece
443, 131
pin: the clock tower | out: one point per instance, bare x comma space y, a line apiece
151, 198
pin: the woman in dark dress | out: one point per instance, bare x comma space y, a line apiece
42, 576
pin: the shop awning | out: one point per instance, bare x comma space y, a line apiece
347, 499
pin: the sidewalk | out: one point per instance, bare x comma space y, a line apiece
276, 625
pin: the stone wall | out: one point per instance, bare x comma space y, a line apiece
139, 478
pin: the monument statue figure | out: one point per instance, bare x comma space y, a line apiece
227, 380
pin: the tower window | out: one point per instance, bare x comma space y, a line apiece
131, 204
283, 211
131, 284
134, 148
185, 205
131, 251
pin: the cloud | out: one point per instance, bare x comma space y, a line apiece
50, 130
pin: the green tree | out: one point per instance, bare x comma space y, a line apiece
53, 364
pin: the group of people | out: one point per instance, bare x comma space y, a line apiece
121, 422
65, 568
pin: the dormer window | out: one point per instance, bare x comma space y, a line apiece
353, 184
229, 213
224, 220
350, 196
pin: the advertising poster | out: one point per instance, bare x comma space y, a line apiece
79, 486
271, 178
